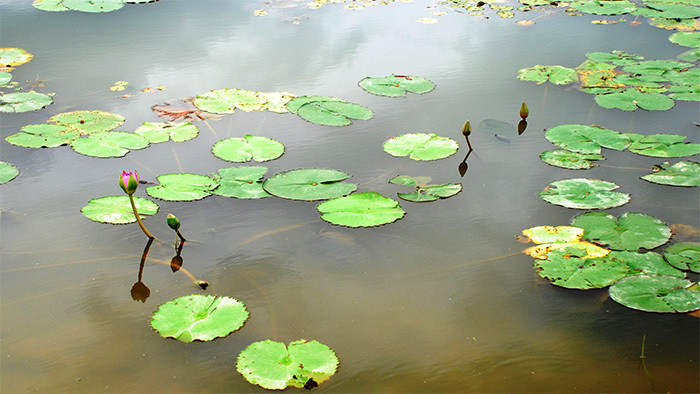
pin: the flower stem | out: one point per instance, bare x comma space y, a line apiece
138, 218
179, 234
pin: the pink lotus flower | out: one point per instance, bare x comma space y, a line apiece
129, 182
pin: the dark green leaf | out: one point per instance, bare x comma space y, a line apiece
656, 293
631, 231
182, 187
683, 173
684, 256
309, 184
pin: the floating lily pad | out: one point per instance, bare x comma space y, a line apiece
586, 139
604, 78
309, 184
365, 209
43, 136
631, 99
276, 101
117, 209
109, 144
666, 10
568, 268
656, 67
688, 77
424, 192
604, 7
274, 366
571, 160
641, 81
630, 231
93, 5
581, 193
162, 132
199, 317
551, 238
656, 293
10, 57
691, 55
549, 234
421, 146
50, 5
618, 58
250, 147
8, 172
683, 173
241, 182
396, 85
24, 101
684, 256
686, 38
5, 77
226, 101
673, 24
182, 187
645, 263
685, 93
328, 111
87, 122
557, 75
664, 145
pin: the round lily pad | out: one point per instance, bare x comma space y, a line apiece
664, 145
666, 10
241, 182
117, 209
182, 187
50, 5
365, 209
10, 57
277, 101
631, 231
396, 85
571, 160
631, 99
226, 101
586, 139
568, 268
421, 146
87, 122
645, 263
656, 293
557, 75
309, 184
5, 77
656, 67
683, 173
274, 366
162, 132
604, 7
686, 38
618, 58
93, 5
109, 144
684, 256
24, 101
332, 112
250, 147
199, 317
43, 136
8, 172
425, 192
685, 93
581, 193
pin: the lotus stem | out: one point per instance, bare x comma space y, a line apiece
138, 218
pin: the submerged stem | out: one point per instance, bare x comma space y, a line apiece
138, 218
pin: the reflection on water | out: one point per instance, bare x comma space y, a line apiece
441, 300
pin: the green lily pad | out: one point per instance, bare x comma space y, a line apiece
309, 184
162, 132
664, 145
365, 209
87, 122
199, 317
685, 93
182, 187
568, 268
571, 160
396, 86
10, 57
604, 7
241, 182
656, 67
656, 293
631, 99
43, 136
641, 81
274, 366
673, 24
691, 55
109, 144
581, 193
684, 256
5, 77
666, 10
250, 147
50, 5
683, 173
226, 101
557, 75
550, 234
93, 5
24, 101
618, 58
686, 38
117, 209
586, 139
630, 231
8, 172
425, 192
276, 101
328, 111
645, 263
421, 146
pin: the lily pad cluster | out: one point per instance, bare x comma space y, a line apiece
227, 101
92, 6
648, 281
625, 81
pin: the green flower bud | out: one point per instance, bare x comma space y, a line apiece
173, 222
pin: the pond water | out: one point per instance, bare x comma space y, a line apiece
439, 301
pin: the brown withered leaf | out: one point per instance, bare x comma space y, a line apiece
182, 110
